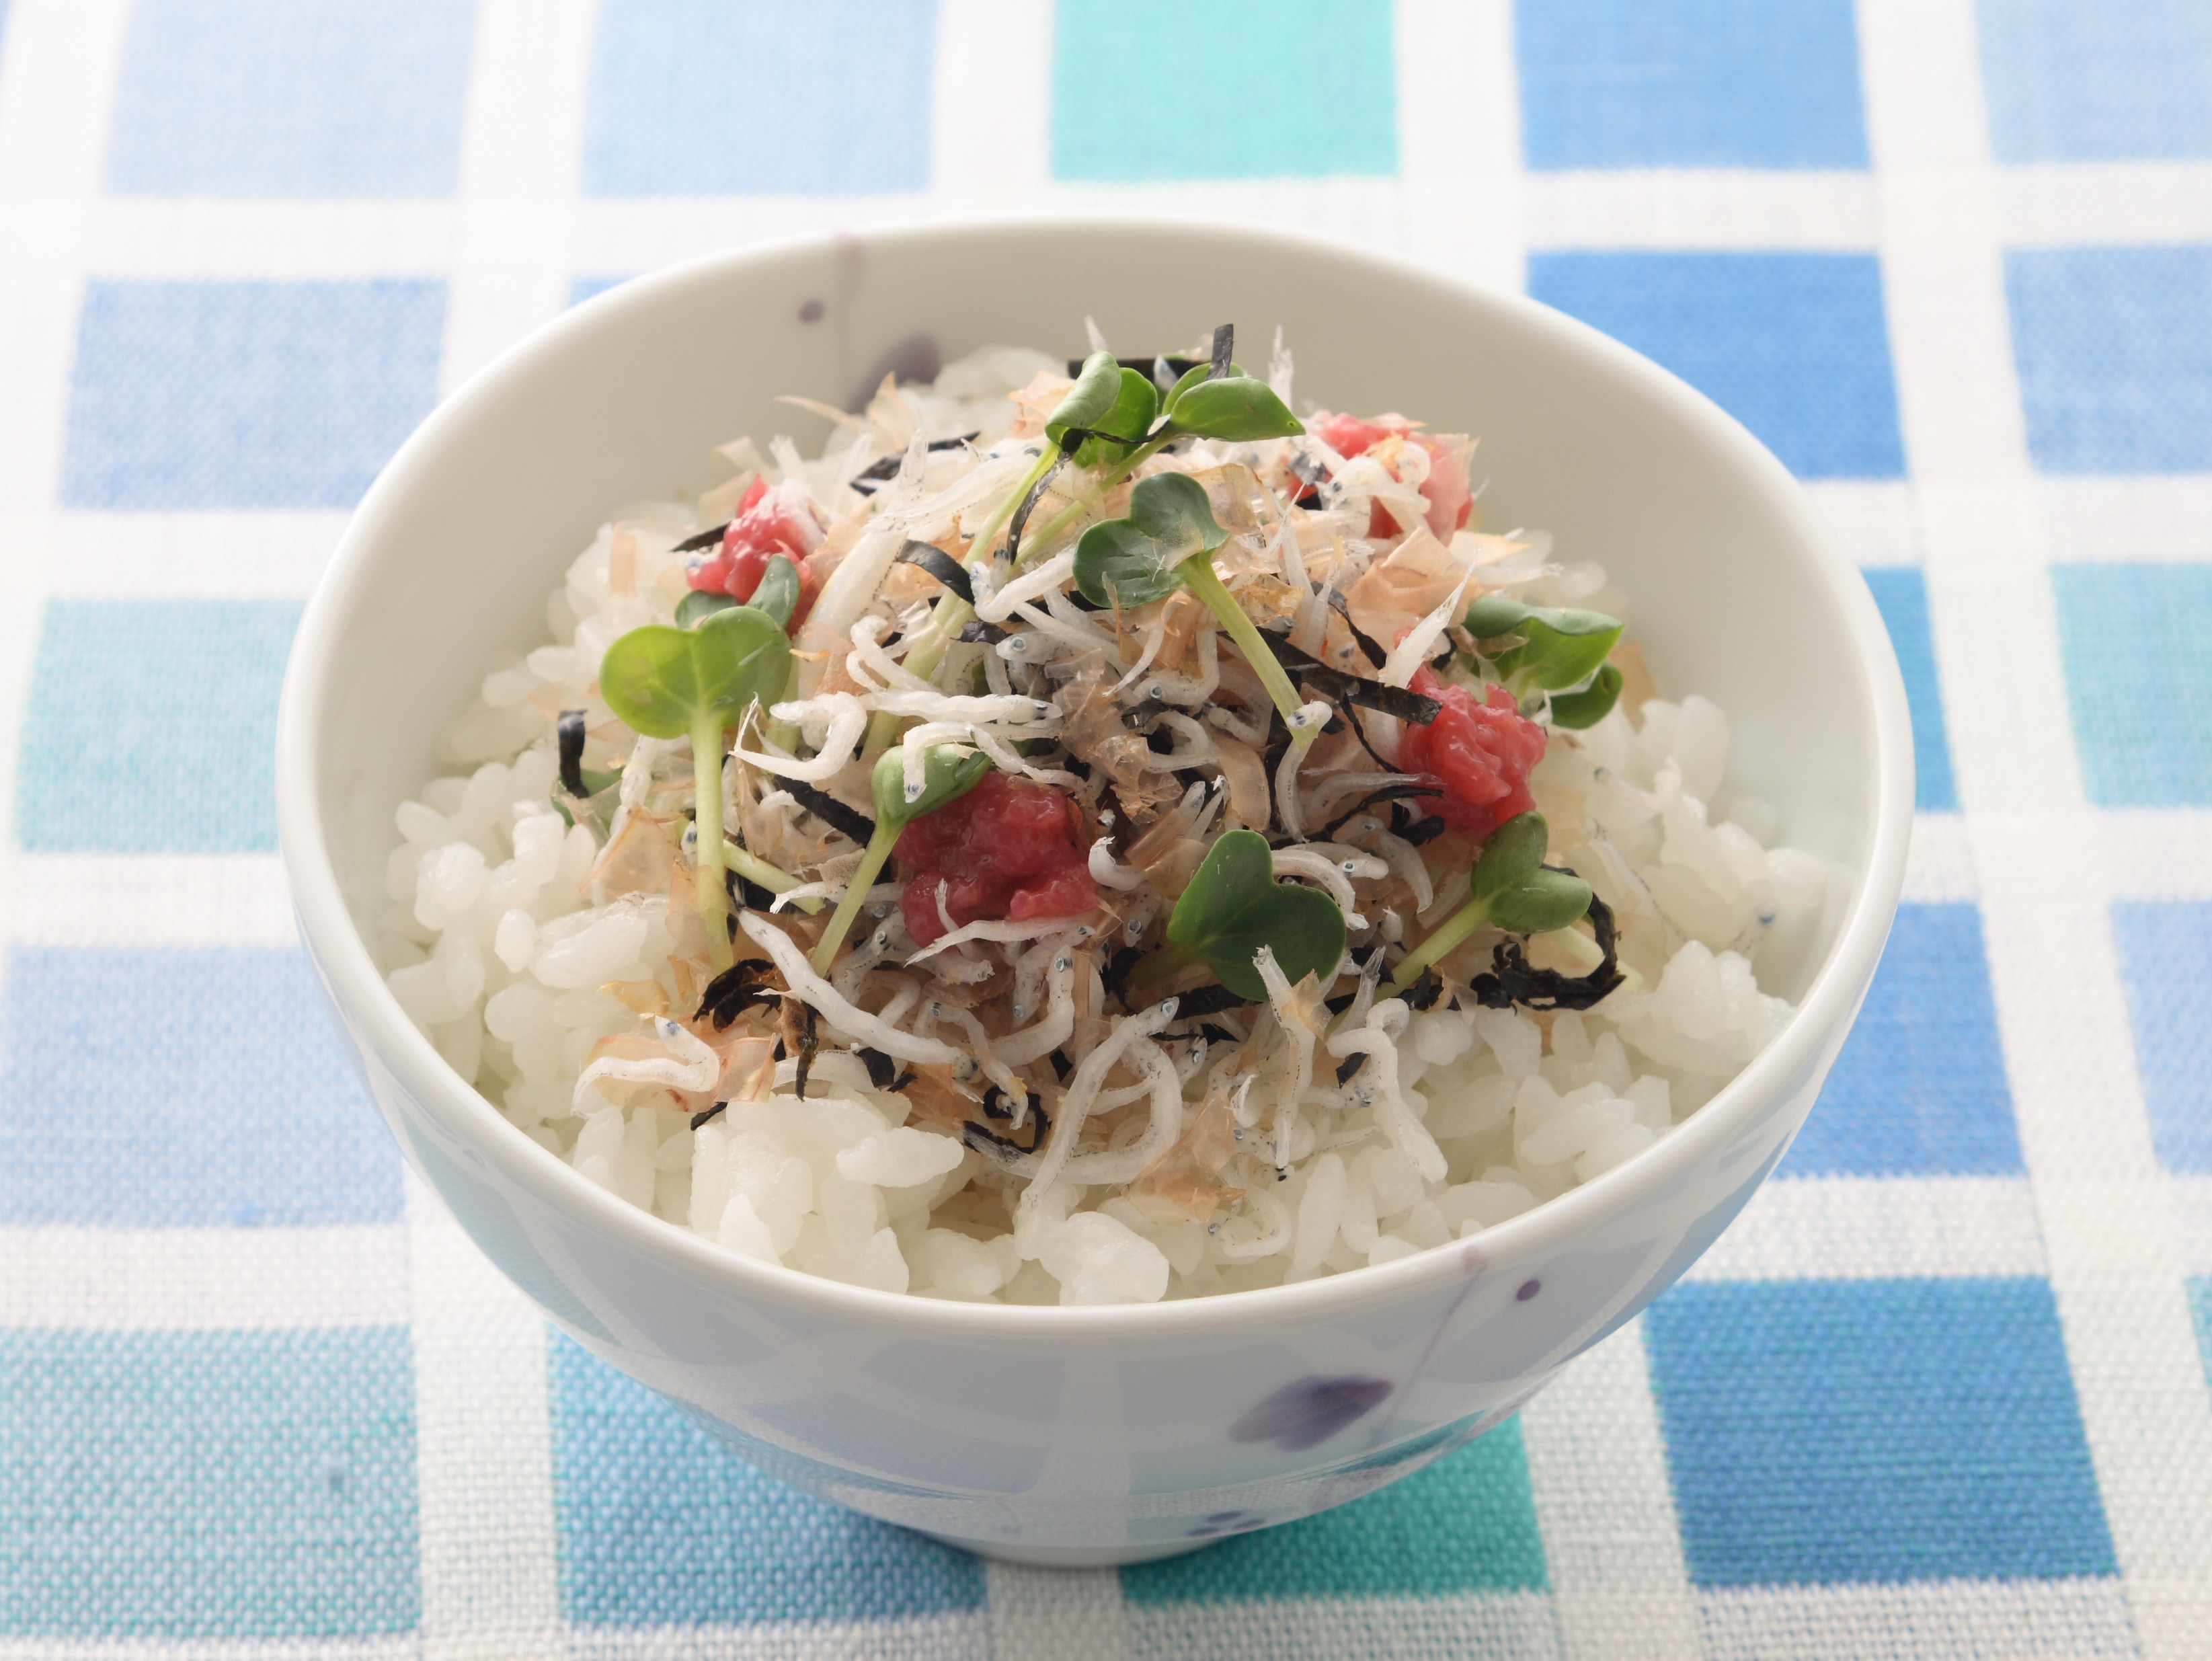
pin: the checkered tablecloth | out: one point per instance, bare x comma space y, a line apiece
1941, 1391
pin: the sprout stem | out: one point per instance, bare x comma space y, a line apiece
873, 859
706, 789
1442, 938
774, 878
1198, 575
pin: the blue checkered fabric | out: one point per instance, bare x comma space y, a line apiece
1941, 1391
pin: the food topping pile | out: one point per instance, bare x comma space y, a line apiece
1092, 836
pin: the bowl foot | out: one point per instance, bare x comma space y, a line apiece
1068, 1557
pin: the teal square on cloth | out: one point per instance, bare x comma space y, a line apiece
208, 1484
152, 727
2139, 678
1229, 90
660, 1525
1467, 1523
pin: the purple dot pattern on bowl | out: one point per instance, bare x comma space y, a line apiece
1306, 1413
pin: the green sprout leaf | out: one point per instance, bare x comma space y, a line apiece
1096, 392
696, 607
1234, 906
1540, 902
779, 590
1234, 407
1558, 648
949, 771
1189, 379
1514, 849
1130, 419
668, 683
661, 681
1134, 561
1589, 706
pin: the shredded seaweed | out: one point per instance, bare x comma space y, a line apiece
940, 565
1513, 979
1361, 638
1412, 787
976, 632
803, 1031
701, 539
736, 989
1351, 1065
882, 1068
1209, 1001
847, 821
1061, 1066
1004, 1149
1424, 993
706, 1113
1338, 686
569, 729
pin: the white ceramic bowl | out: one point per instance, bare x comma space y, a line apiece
1112, 1434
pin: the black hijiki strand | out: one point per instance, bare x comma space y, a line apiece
999, 1104
846, 821
1061, 1066
1424, 993
1209, 1001
1365, 641
1339, 686
991, 1145
1514, 980
736, 989
1391, 792
705, 1113
940, 565
883, 1071
1119, 965
569, 732
886, 468
976, 632
802, 1025
1422, 830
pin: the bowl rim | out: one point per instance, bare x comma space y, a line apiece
355, 986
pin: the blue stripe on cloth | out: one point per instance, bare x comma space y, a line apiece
1920, 1087
1467, 1524
582, 289
2139, 679
1901, 594
1232, 90
755, 98
2116, 81
2165, 961
1794, 345
199, 395
660, 1525
207, 1484
1822, 1431
163, 1087
2114, 347
290, 97
1690, 83
152, 727
2200, 1310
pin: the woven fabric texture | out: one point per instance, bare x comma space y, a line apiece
1943, 1391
